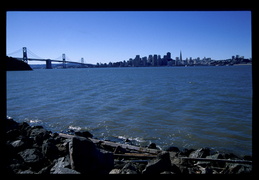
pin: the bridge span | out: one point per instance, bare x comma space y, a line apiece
49, 61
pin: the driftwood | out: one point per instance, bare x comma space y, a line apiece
114, 145
135, 155
217, 160
126, 146
122, 150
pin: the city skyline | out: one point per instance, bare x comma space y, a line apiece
114, 36
167, 60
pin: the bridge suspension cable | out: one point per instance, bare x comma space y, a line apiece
67, 58
16, 52
33, 54
58, 58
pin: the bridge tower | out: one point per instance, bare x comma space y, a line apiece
64, 60
82, 60
25, 57
48, 64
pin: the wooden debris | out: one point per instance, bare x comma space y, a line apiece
134, 152
117, 147
217, 160
135, 155
126, 146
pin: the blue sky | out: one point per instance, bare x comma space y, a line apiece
111, 36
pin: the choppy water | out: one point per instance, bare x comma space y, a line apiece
188, 107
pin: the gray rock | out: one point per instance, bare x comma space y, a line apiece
39, 134
200, 153
62, 162
62, 166
18, 144
33, 158
26, 172
237, 169
61, 170
158, 165
115, 171
31, 155
45, 170
129, 168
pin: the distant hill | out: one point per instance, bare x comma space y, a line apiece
13, 64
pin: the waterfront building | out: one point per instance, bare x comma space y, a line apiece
177, 59
130, 62
168, 54
159, 60
136, 62
150, 59
154, 62
164, 61
144, 61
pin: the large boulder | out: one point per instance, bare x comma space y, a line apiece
82, 155
86, 158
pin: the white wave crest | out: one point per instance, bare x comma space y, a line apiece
75, 128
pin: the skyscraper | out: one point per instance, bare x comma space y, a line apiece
181, 56
168, 55
154, 62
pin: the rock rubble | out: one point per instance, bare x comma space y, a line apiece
34, 150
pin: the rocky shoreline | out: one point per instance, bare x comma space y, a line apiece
35, 150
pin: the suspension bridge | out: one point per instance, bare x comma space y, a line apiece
64, 61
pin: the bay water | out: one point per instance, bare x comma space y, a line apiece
187, 107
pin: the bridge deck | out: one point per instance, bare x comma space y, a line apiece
52, 60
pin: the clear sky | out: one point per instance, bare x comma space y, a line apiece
112, 36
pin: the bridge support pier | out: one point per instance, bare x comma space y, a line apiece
48, 64
64, 60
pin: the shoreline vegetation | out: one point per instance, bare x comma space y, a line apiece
35, 150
